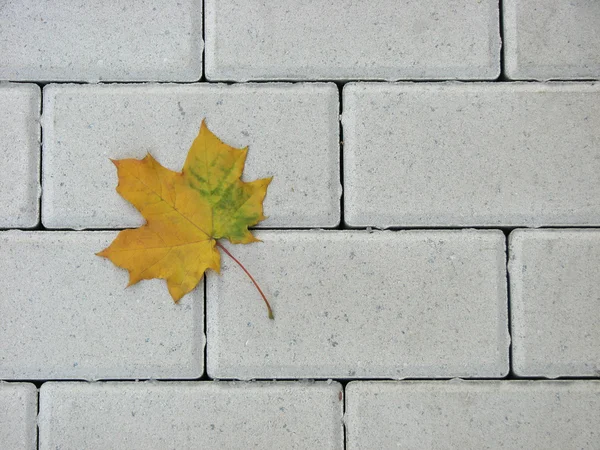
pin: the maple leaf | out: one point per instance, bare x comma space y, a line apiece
186, 213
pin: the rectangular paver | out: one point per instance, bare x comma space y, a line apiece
346, 39
485, 154
555, 302
561, 415
361, 305
552, 39
65, 313
292, 132
193, 415
19, 155
18, 416
72, 40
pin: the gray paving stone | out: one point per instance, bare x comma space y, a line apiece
346, 39
19, 155
292, 132
65, 314
74, 40
192, 415
473, 414
552, 39
361, 305
18, 416
555, 302
480, 154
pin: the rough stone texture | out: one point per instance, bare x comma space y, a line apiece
18, 416
346, 39
292, 132
19, 155
75, 40
65, 313
361, 305
473, 414
555, 302
485, 154
191, 415
552, 39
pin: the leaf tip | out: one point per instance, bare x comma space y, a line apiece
176, 292
132, 280
149, 158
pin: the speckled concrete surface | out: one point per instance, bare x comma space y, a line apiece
457, 155
349, 151
473, 414
67, 315
19, 155
75, 40
552, 39
425, 304
18, 416
191, 415
292, 132
349, 40
555, 302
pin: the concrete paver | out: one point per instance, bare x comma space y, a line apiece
292, 132
18, 416
168, 415
349, 40
473, 414
19, 155
66, 314
555, 302
478, 154
552, 39
425, 304
73, 40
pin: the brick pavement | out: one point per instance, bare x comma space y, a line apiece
469, 130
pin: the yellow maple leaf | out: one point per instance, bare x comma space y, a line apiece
186, 213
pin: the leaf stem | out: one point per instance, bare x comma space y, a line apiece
251, 278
